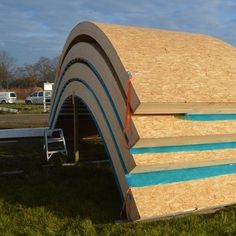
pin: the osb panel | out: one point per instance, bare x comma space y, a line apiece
170, 66
191, 158
169, 126
157, 201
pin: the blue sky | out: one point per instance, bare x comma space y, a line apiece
30, 29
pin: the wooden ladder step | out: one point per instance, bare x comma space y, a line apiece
54, 142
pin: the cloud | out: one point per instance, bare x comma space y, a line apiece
30, 29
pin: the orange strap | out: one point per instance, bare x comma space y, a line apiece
124, 206
127, 113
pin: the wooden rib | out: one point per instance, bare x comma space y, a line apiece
81, 91
182, 108
163, 200
184, 140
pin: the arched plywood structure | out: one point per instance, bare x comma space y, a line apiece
170, 130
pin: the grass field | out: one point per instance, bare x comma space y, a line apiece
79, 200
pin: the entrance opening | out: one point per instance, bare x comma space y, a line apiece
95, 184
80, 132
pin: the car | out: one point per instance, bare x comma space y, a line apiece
7, 97
38, 97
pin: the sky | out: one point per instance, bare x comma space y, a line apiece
30, 29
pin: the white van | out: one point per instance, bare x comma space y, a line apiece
38, 97
7, 97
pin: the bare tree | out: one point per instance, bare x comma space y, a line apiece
35, 74
24, 71
45, 69
7, 65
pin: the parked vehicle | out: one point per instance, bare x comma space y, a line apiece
7, 97
38, 97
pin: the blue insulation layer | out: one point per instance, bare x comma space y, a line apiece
179, 175
208, 117
184, 148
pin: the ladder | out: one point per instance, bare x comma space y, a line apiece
54, 142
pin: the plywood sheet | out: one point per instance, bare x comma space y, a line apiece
158, 201
171, 126
158, 161
184, 67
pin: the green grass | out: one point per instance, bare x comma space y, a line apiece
79, 200
24, 108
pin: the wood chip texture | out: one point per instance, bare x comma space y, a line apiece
169, 66
156, 201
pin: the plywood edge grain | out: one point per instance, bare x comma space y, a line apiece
146, 108
184, 140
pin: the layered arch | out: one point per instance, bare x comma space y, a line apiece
156, 156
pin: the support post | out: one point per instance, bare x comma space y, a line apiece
76, 134
44, 103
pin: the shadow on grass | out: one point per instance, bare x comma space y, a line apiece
79, 200
86, 191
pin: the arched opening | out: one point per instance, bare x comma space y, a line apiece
94, 175
82, 136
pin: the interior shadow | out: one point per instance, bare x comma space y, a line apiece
87, 190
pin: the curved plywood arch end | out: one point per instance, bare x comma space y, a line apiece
138, 86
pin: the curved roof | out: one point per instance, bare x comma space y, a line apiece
170, 66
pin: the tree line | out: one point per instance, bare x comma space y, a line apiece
27, 76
